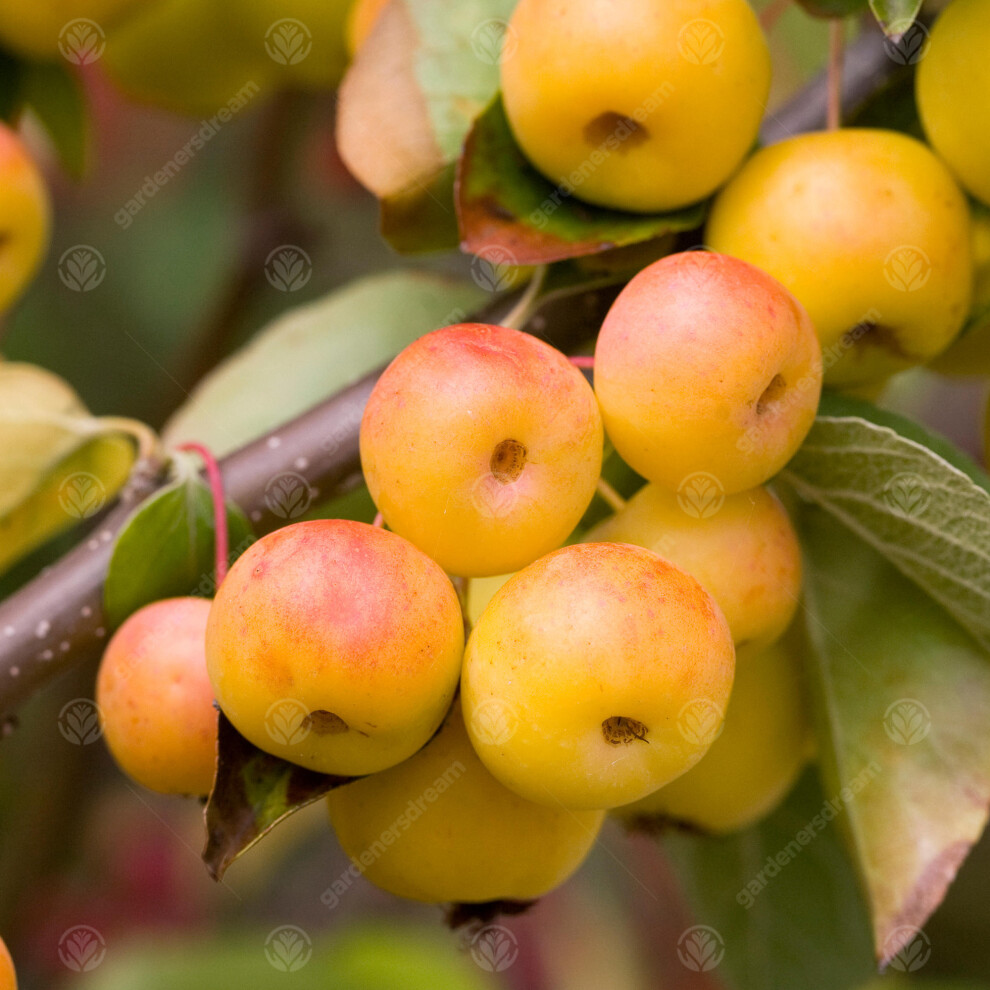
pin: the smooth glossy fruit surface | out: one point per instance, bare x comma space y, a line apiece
643, 105
708, 374
870, 232
156, 699
8, 978
71, 29
742, 549
755, 760
587, 676
439, 827
482, 445
952, 87
335, 645
25, 217
361, 19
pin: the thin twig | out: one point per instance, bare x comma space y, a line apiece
608, 494
836, 50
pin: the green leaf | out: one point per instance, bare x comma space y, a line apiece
779, 901
55, 95
901, 688
506, 208
407, 102
58, 464
312, 351
166, 548
895, 16
907, 493
253, 791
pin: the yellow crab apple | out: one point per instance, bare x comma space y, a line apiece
952, 87
871, 233
361, 18
156, 699
742, 549
8, 978
439, 827
41, 28
335, 645
756, 758
707, 370
25, 216
585, 674
643, 105
482, 445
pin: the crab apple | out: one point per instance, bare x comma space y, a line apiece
8, 978
644, 105
707, 368
457, 834
952, 87
871, 233
742, 550
25, 216
335, 645
361, 18
584, 676
156, 699
38, 29
482, 445
755, 760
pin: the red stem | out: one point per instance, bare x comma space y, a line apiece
221, 541
583, 361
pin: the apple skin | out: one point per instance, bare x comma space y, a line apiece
25, 217
706, 366
431, 438
33, 29
952, 88
475, 841
8, 978
746, 555
156, 698
335, 645
652, 104
361, 18
755, 760
868, 229
586, 636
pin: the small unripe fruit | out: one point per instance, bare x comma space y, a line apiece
707, 370
587, 674
156, 698
482, 445
439, 827
335, 645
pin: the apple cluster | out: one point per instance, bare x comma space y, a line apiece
597, 673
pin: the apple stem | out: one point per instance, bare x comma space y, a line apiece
221, 542
772, 13
583, 361
836, 49
520, 314
608, 494
379, 521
